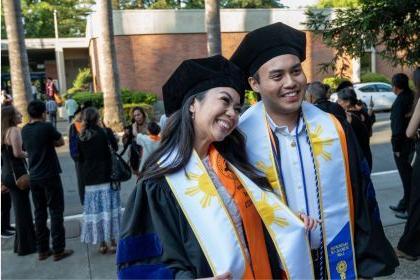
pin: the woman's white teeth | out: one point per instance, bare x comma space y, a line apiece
224, 124
291, 94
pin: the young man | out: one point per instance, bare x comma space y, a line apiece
312, 161
316, 93
39, 140
71, 107
51, 107
402, 146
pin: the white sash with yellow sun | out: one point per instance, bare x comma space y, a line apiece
328, 147
286, 230
208, 217
214, 229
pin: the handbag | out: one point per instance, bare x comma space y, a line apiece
120, 170
23, 181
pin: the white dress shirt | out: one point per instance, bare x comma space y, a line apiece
291, 168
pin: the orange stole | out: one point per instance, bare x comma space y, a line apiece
250, 218
154, 137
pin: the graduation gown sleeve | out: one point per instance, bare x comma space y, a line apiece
156, 240
374, 253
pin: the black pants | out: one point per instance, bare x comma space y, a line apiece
410, 240
6, 205
25, 234
405, 170
53, 118
48, 194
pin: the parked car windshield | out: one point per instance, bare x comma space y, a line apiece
369, 88
384, 88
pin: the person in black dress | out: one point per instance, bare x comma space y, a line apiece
409, 244
402, 146
13, 166
347, 99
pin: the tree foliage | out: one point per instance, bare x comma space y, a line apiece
193, 4
391, 26
38, 18
338, 4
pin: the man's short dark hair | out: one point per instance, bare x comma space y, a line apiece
400, 81
36, 108
153, 128
317, 90
344, 84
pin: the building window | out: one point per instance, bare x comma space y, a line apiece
366, 62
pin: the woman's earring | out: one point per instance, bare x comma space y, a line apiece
192, 115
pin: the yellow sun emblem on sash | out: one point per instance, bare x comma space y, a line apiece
268, 212
204, 185
319, 144
270, 173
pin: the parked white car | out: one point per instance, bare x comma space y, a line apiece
381, 94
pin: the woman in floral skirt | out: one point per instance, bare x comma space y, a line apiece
102, 211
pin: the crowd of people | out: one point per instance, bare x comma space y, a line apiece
281, 191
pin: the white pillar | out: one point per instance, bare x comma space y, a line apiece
355, 77
61, 69
59, 59
373, 59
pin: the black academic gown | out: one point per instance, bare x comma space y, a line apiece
374, 254
157, 241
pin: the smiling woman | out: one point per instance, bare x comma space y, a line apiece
189, 177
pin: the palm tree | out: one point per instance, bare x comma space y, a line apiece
108, 69
214, 45
18, 58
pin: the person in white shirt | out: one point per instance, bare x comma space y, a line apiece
150, 142
71, 107
51, 106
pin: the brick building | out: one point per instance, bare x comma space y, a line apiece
151, 43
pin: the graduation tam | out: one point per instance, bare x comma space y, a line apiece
197, 75
262, 44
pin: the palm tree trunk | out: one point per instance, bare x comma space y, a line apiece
214, 45
18, 58
108, 69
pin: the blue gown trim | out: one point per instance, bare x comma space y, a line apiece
136, 248
156, 271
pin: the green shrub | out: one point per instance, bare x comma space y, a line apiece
96, 98
127, 97
374, 77
250, 97
82, 81
133, 96
333, 82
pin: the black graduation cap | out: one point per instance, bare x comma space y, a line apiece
197, 75
262, 44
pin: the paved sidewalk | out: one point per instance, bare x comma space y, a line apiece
87, 263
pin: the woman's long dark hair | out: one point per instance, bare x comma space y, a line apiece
179, 135
8, 120
90, 117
